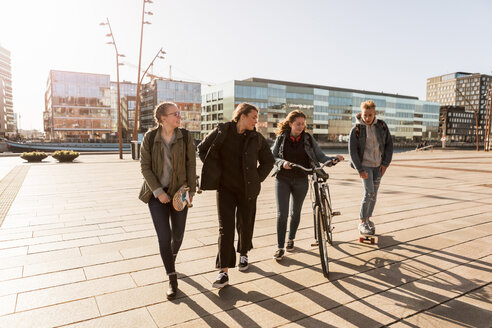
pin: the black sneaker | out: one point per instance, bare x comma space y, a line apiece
222, 280
243, 263
279, 254
290, 246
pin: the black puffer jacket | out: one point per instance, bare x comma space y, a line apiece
255, 151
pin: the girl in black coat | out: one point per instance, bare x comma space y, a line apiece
230, 156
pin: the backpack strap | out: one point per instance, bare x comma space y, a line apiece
383, 125
185, 133
151, 140
357, 130
310, 137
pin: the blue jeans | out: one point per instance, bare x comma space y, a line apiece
284, 189
169, 232
371, 186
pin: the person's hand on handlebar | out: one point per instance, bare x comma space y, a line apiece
287, 165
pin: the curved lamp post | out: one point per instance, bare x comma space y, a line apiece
110, 34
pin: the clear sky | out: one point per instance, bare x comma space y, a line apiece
378, 45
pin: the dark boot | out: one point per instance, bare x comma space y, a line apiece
173, 286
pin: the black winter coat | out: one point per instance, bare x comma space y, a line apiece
255, 151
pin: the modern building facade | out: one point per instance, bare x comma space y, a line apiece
3, 112
457, 124
330, 110
77, 106
468, 90
7, 125
128, 104
128, 94
185, 94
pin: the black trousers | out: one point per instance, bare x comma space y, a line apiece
170, 227
235, 211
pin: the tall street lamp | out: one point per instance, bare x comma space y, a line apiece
117, 82
159, 55
137, 105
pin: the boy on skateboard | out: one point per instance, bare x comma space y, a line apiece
370, 149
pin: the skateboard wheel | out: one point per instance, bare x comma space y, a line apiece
372, 241
361, 239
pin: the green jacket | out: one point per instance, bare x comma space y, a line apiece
183, 159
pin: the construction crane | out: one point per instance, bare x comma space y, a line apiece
150, 75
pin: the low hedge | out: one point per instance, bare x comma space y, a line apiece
65, 155
34, 156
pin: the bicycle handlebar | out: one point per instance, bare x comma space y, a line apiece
329, 162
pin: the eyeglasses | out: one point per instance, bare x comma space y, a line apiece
177, 114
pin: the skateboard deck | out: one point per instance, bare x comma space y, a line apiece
373, 239
181, 198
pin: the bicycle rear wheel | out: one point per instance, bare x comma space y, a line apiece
321, 225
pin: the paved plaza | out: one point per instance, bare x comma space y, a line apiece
78, 249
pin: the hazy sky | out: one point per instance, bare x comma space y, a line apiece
391, 46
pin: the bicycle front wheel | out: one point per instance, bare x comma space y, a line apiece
321, 225
329, 218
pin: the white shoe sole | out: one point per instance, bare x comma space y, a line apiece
219, 285
243, 268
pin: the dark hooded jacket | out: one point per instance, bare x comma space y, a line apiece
255, 151
357, 142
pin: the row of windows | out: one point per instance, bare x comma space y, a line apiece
177, 96
178, 86
81, 112
80, 78
79, 90
218, 95
80, 101
213, 108
214, 117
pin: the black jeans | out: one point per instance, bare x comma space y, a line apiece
231, 207
169, 232
296, 187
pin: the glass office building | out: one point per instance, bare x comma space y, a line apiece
185, 94
7, 125
77, 106
330, 111
128, 94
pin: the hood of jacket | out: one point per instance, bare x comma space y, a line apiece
359, 120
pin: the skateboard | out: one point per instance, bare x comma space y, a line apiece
370, 238
181, 198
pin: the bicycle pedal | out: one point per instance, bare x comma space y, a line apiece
336, 213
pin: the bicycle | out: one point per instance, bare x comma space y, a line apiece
322, 210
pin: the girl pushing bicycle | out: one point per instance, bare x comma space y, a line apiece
293, 145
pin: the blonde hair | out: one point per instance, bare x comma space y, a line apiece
161, 109
243, 109
368, 105
291, 117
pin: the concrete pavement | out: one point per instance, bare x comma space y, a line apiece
78, 249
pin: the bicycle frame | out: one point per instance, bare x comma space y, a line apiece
322, 211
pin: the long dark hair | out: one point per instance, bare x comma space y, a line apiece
291, 117
243, 109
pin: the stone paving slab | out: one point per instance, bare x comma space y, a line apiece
78, 249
